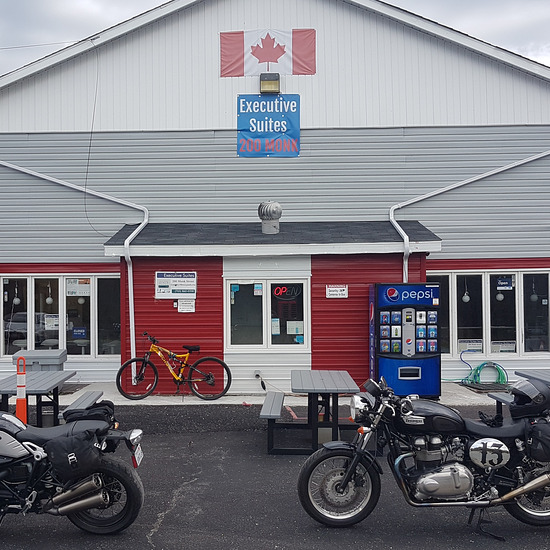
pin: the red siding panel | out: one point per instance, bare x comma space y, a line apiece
340, 326
161, 319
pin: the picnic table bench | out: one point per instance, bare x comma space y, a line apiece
83, 401
322, 389
43, 385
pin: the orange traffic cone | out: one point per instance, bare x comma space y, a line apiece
21, 401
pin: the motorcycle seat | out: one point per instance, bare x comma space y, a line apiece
510, 428
39, 436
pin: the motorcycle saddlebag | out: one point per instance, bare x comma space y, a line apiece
73, 456
538, 441
102, 410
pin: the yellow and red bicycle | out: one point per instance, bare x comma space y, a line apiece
208, 377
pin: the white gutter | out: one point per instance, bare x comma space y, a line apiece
126, 242
436, 192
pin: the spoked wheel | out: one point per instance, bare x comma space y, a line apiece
209, 378
123, 502
532, 508
321, 495
137, 378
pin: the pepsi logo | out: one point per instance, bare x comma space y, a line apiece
392, 294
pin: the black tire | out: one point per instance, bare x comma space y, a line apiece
142, 384
317, 484
126, 494
209, 378
532, 508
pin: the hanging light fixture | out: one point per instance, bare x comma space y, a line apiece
466, 295
16, 299
81, 300
49, 299
499, 296
534, 297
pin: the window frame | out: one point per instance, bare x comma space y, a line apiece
30, 280
521, 288
267, 344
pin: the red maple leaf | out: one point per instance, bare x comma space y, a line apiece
268, 52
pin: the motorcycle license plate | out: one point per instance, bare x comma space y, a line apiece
137, 456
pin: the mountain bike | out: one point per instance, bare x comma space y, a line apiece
208, 377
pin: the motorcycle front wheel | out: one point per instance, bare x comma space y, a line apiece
319, 483
532, 508
125, 490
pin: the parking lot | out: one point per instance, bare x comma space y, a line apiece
210, 484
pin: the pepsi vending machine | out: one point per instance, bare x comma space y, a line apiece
404, 337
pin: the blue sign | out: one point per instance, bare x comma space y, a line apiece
268, 125
409, 294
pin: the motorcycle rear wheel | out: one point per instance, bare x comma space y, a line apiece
318, 483
126, 494
532, 508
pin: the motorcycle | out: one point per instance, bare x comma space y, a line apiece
437, 458
70, 471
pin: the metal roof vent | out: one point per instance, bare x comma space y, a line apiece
270, 212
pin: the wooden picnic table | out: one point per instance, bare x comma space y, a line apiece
43, 385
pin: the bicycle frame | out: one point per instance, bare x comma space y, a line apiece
166, 356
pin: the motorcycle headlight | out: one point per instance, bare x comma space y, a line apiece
359, 405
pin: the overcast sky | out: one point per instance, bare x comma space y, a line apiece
31, 29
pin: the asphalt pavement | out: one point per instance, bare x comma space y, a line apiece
210, 485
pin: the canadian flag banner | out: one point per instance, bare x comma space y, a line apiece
249, 53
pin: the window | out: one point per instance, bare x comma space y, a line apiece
535, 307
79, 314
494, 313
267, 313
469, 312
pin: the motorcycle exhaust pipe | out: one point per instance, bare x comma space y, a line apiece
534, 485
93, 484
91, 501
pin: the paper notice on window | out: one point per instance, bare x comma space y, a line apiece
275, 327
295, 327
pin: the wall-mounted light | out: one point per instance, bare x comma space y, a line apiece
270, 83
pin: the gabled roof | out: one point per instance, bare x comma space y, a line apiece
375, 6
238, 239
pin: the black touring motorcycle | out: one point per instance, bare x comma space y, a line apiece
69, 470
436, 457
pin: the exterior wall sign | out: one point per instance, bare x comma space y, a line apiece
268, 125
337, 291
176, 284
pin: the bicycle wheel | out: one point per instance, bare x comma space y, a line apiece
137, 378
209, 378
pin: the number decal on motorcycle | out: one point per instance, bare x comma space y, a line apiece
489, 453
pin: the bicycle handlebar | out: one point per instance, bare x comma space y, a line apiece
151, 338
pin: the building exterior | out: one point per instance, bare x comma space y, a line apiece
416, 153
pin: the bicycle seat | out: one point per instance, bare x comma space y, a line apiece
192, 348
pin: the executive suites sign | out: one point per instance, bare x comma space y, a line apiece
268, 125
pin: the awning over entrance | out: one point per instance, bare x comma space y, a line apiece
244, 239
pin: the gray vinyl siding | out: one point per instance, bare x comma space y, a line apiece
376, 67
341, 174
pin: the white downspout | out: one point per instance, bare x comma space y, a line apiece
126, 242
436, 192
